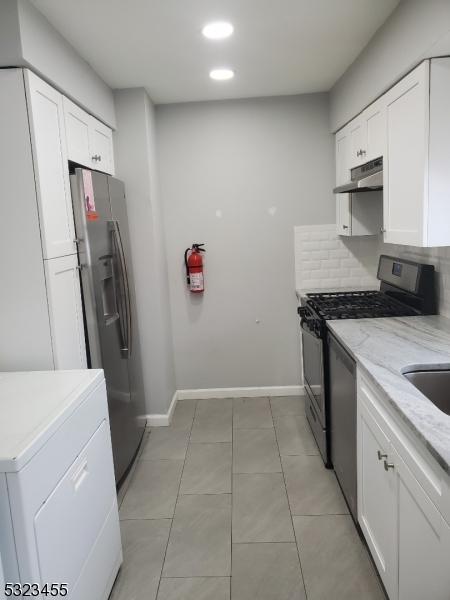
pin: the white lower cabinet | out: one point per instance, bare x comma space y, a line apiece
423, 541
376, 500
400, 496
66, 312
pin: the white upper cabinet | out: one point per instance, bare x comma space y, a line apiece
89, 142
48, 143
417, 177
375, 130
357, 142
101, 146
363, 139
359, 214
405, 171
77, 132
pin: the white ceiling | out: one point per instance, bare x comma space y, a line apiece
278, 47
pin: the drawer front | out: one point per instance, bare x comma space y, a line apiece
68, 524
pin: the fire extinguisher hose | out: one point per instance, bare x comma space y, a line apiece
188, 279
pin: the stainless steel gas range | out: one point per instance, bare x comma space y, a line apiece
329, 373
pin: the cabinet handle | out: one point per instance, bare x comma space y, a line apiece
382, 230
96, 157
344, 226
381, 456
388, 466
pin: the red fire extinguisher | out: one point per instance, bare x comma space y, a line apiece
194, 268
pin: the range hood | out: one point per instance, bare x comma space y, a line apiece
365, 178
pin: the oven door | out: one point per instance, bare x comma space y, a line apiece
313, 369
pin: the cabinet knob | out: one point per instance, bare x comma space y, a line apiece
382, 230
380, 455
344, 226
388, 466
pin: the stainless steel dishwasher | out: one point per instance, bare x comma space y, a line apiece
342, 388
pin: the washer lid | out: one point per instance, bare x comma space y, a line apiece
32, 407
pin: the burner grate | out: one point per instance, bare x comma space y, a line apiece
357, 305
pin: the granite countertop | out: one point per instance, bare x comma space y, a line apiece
387, 348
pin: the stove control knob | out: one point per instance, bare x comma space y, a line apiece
302, 311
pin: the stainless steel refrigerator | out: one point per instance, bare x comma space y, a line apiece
109, 305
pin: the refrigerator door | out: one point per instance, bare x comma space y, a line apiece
106, 306
137, 408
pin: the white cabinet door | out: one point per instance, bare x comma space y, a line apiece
66, 313
405, 172
377, 497
77, 132
374, 119
343, 214
48, 142
343, 207
342, 148
358, 150
424, 538
101, 147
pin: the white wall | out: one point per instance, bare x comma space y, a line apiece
28, 40
134, 144
239, 175
417, 29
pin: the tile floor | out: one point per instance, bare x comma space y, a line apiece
232, 502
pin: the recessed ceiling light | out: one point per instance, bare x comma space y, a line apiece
218, 30
221, 74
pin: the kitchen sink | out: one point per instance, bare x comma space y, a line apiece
435, 385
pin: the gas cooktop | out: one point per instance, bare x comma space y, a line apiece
357, 305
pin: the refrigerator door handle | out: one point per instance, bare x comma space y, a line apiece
125, 321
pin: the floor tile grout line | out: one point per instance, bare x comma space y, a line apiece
198, 577
176, 502
290, 511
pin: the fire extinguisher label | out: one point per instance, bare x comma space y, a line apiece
196, 282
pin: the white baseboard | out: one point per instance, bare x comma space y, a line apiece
242, 392
164, 419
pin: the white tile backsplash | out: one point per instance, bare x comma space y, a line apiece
325, 260
439, 257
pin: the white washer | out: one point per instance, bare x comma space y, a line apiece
58, 503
